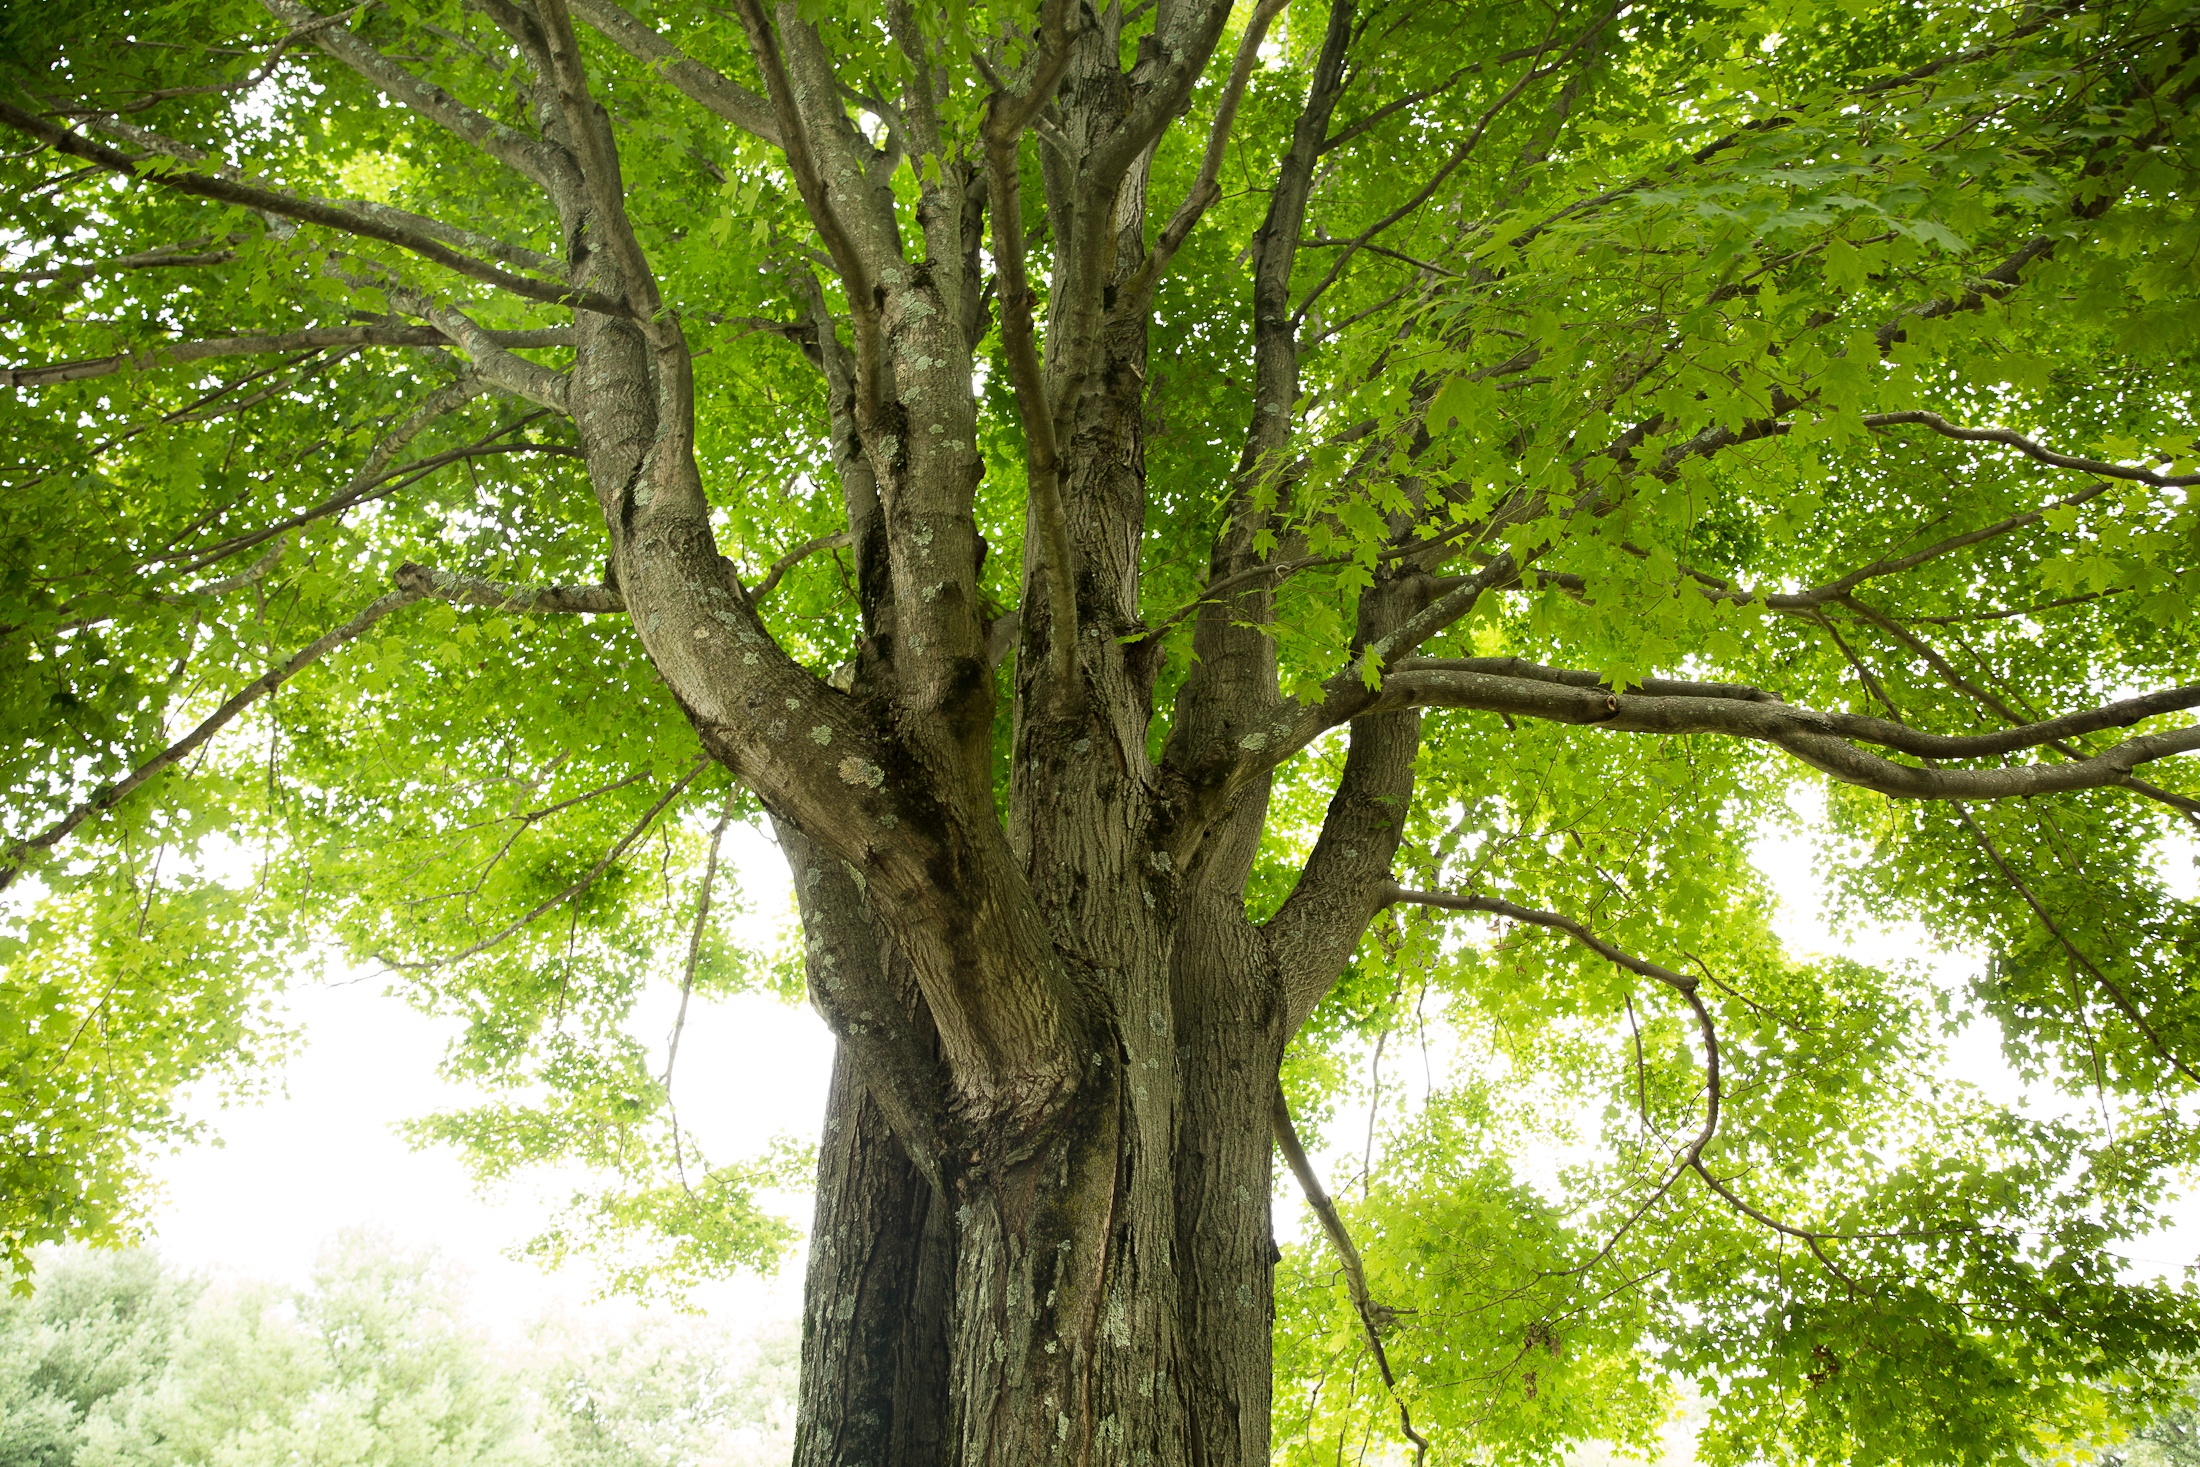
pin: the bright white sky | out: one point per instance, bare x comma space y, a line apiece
324, 1157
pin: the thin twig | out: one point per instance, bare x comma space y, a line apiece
2116, 995
687, 977
1373, 1316
610, 856
18, 854
796, 556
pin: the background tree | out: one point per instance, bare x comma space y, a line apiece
1150, 503
118, 1361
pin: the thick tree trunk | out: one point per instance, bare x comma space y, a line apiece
1110, 1297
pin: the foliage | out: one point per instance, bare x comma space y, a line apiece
107, 1009
1695, 331
2171, 1441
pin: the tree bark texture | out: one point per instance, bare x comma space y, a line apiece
1097, 1291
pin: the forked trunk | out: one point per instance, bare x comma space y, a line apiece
1082, 1139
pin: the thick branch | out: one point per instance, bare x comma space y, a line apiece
1821, 740
442, 585
319, 338
699, 83
590, 127
1015, 108
850, 965
795, 140
1881, 731
1342, 887
1042, 461
1229, 699
543, 386
366, 224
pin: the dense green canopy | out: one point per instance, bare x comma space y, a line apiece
1801, 394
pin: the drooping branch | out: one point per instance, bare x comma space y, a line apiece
1948, 674
250, 79
251, 575
1684, 984
2115, 992
688, 970
371, 475
472, 241
468, 240
1834, 590
1360, 126
550, 904
367, 486
1690, 1158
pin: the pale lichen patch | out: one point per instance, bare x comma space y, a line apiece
856, 770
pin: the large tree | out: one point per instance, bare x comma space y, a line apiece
1176, 515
